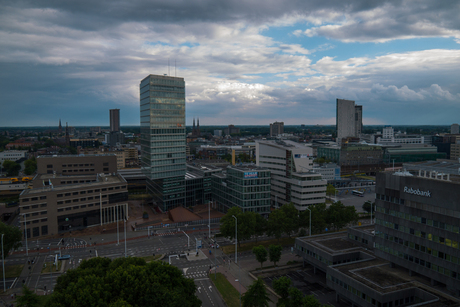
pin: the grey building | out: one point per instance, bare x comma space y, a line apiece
163, 145
454, 129
276, 128
71, 193
417, 224
114, 120
349, 119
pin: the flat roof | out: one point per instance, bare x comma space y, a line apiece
111, 179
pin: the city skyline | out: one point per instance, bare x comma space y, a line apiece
243, 62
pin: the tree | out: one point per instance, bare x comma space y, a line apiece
295, 297
12, 237
30, 166
274, 253
302, 232
291, 224
311, 301
276, 223
28, 298
124, 282
281, 287
256, 296
246, 224
318, 218
261, 254
260, 226
338, 215
368, 205
330, 190
12, 168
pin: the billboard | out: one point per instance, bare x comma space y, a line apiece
250, 175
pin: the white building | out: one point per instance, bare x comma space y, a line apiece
329, 171
389, 137
454, 129
12, 155
292, 176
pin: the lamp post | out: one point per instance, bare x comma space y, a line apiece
309, 231
25, 229
236, 239
124, 222
371, 213
209, 220
3, 265
118, 233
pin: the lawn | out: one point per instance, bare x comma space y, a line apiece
228, 249
46, 267
151, 258
229, 293
12, 271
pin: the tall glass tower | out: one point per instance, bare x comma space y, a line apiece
162, 107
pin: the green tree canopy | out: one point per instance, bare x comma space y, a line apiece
30, 166
246, 224
124, 282
12, 168
274, 253
276, 223
261, 254
291, 224
368, 205
11, 239
256, 296
28, 298
330, 190
281, 287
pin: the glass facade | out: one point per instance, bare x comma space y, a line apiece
249, 190
163, 145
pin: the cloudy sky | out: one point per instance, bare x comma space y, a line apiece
244, 62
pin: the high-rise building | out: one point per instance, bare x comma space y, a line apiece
349, 119
163, 145
114, 120
276, 128
454, 129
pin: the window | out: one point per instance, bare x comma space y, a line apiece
36, 231
82, 192
42, 197
76, 207
68, 209
44, 230
49, 166
105, 164
75, 193
60, 210
43, 212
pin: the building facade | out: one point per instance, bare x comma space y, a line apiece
454, 129
417, 224
114, 120
12, 155
163, 145
244, 186
349, 119
276, 128
71, 193
292, 178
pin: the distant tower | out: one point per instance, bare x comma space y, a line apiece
60, 126
198, 127
67, 135
194, 128
114, 120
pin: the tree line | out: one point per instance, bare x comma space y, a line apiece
287, 220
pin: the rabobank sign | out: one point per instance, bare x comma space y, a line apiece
417, 192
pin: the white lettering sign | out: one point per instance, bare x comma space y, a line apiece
417, 192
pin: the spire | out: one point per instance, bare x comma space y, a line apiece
194, 123
198, 125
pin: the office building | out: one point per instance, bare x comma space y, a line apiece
163, 145
328, 171
231, 129
349, 119
71, 193
245, 186
218, 133
389, 137
276, 128
12, 155
417, 224
454, 129
198, 183
292, 178
114, 120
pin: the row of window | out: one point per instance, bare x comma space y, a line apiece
76, 200
80, 207
37, 221
418, 261
364, 296
91, 191
34, 206
418, 219
34, 198
77, 165
420, 248
36, 231
358, 239
82, 170
36, 213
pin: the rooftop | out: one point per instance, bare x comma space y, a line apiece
102, 180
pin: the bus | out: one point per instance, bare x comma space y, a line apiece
357, 193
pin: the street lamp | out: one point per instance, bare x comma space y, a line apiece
124, 222
3, 264
209, 220
309, 233
236, 239
25, 229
